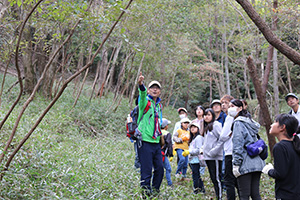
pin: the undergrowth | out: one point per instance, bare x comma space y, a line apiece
82, 153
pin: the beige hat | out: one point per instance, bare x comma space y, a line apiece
215, 101
195, 124
185, 120
154, 83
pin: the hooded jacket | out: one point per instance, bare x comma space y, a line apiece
210, 140
149, 125
244, 132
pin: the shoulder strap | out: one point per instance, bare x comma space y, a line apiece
145, 110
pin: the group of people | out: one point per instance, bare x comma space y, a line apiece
216, 139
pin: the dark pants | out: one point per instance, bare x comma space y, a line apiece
197, 181
229, 179
150, 157
249, 186
215, 172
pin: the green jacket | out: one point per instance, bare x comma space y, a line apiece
147, 125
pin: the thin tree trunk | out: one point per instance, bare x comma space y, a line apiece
262, 102
106, 84
288, 76
171, 87
275, 83
136, 80
122, 74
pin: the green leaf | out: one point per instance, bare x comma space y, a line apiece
19, 3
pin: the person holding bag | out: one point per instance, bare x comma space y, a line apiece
247, 169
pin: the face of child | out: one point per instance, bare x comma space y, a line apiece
208, 117
185, 125
199, 112
275, 129
194, 130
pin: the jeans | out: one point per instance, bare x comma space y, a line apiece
229, 178
249, 186
182, 163
197, 181
215, 172
150, 157
168, 168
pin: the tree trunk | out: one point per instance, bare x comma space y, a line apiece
282, 47
262, 102
136, 80
275, 83
288, 76
29, 72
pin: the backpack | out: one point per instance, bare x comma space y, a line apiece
132, 119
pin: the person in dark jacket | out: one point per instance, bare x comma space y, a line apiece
286, 170
167, 149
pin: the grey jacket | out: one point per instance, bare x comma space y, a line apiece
210, 140
244, 132
195, 146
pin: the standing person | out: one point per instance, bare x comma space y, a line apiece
247, 169
167, 149
181, 139
293, 102
225, 142
216, 105
286, 170
212, 131
148, 132
182, 112
195, 144
199, 113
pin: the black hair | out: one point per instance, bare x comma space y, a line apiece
292, 128
243, 112
192, 136
201, 107
209, 126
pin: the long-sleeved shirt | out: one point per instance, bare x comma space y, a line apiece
286, 171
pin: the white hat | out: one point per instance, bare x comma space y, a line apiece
185, 120
215, 101
181, 108
195, 124
290, 95
165, 122
154, 83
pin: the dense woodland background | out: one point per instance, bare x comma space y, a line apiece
198, 49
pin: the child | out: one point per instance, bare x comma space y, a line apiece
181, 138
167, 149
286, 170
195, 143
199, 113
212, 131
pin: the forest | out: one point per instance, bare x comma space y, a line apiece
90, 53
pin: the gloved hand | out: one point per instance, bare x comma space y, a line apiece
171, 159
235, 171
174, 152
185, 153
267, 168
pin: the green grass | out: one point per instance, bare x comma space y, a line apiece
65, 159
